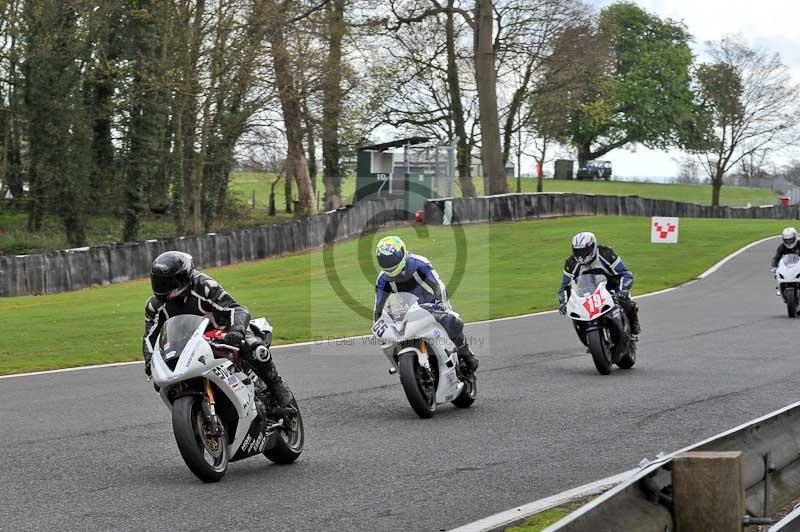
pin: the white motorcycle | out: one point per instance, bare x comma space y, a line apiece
414, 342
221, 411
601, 323
787, 275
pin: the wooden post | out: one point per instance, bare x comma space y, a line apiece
708, 494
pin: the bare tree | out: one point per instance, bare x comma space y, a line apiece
752, 102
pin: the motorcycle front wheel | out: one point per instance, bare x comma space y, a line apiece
791, 301
206, 455
599, 350
419, 386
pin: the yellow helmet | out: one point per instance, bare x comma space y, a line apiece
392, 255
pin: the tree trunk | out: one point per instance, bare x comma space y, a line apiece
716, 187
463, 155
486, 81
584, 154
332, 106
292, 118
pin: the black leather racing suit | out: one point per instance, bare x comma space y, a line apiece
783, 250
207, 298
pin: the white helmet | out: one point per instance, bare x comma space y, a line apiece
789, 237
584, 247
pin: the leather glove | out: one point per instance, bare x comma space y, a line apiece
562, 308
624, 294
234, 338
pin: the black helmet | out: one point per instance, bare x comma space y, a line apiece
171, 274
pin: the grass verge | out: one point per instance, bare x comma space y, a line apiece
540, 521
504, 269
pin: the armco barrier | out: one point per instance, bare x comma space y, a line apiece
511, 207
61, 271
770, 448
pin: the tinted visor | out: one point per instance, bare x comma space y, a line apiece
584, 252
389, 262
163, 285
790, 242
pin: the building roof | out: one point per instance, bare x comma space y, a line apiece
395, 144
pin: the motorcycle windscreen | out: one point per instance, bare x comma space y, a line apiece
587, 283
397, 305
176, 333
790, 260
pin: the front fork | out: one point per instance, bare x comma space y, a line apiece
209, 410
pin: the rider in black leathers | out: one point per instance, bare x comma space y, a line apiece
179, 289
788, 246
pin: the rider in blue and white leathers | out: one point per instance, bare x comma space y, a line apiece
406, 272
588, 257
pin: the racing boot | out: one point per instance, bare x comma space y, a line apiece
636, 328
466, 355
264, 367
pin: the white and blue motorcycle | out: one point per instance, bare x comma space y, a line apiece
416, 344
221, 411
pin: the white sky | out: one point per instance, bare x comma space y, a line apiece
770, 24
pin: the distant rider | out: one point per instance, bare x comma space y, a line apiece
588, 257
179, 289
406, 272
788, 246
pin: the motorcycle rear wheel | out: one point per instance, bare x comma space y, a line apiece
421, 397
600, 354
206, 456
468, 393
289, 444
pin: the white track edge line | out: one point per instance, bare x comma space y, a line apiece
703, 275
721, 263
508, 517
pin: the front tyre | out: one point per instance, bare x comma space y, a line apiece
419, 386
290, 441
600, 354
468, 393
205, 454
791, 301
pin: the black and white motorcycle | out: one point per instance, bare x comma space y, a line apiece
787, 275
601, 323
430, 370
221, 411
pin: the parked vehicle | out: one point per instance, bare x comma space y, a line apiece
221, 411
416, 344
788, 278
601, 324
595, 170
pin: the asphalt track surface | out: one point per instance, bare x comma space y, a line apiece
94, 450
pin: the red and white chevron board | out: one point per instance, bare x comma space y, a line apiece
663, 230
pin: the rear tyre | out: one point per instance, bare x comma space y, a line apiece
205, 455
600, 355
290, 442
468, 393
791, 302
627, 360
419, 386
